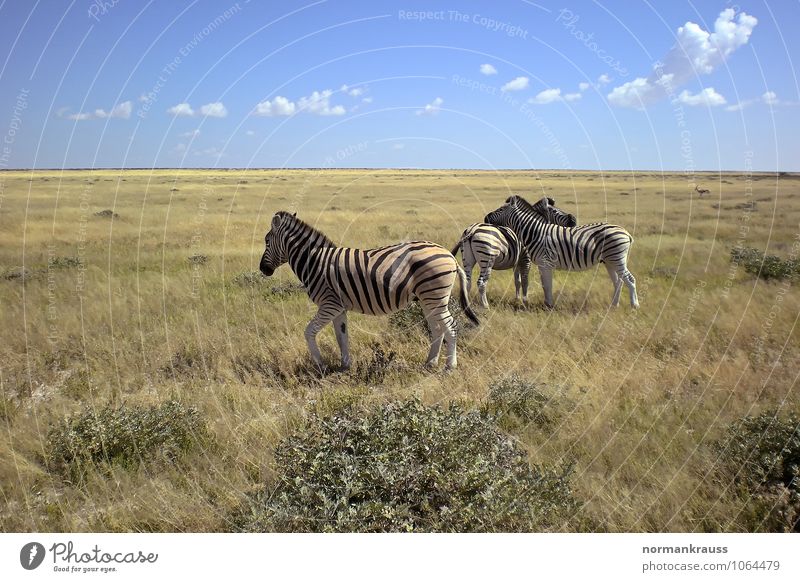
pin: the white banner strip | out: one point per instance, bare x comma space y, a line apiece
374, 557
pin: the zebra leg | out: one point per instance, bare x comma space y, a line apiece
546, 276
483, 280
630, 281
320, 320
517, 283
449, 325
524, 271
616, 281
437, 335
340, 326
468, 260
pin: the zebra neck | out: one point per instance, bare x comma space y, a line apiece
303, 259
528, 228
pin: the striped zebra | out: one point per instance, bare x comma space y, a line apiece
499, 248
374, 281
552, 246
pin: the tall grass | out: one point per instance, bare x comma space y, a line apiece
115, 311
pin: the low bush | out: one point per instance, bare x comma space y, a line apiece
125, 436
515, 402
765, 266
64, 262
406, 467
411, 318
380, 364
761, 455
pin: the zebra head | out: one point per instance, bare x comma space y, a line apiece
545, 209
275, 252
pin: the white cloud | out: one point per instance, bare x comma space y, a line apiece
487, 69
216, 109
583, 86
318, 103
770, 98
517, 84
697, 52
398, 146
572, 96
353, 91
367, 100
431, 108
546, 96
250, 132
278, 106
603, 80
210, 152
181, 110
708, 97
191, 134
119, 111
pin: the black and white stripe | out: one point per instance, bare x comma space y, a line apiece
552, 246
499, 248
373, 281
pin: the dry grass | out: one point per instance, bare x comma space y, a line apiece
113, 309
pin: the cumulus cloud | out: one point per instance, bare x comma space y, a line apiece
546, 96
318, 103
120, 111
487, 69
191, 134
181, 110
431, 108
367, 100
603, 80
276, 107
696, 52
770, 98
517, 84
216, 109
250, 132
583, 86
708, 97
572, 96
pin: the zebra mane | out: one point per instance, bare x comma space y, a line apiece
321, 239
523, 204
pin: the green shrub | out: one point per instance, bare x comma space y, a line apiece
64, 262
125, 436
761, 455
407, 467
250, 279
515, 402
764, 266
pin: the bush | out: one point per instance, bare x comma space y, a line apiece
124, 436
64, 262
407, 467
250, 279
515, 402
764, 266
761, 454
378, 367
198, 259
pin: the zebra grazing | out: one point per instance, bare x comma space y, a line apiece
552, 246
498, 247
373, 281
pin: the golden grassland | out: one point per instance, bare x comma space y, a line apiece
131, 319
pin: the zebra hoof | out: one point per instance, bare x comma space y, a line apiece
430, 366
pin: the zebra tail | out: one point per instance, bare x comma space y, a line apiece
456, 248
464, 298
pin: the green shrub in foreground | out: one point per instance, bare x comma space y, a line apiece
407, 467
761, 454
124, 436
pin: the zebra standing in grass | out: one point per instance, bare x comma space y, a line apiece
499, 248
575, 249
374, 281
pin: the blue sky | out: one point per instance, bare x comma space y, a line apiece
702, 85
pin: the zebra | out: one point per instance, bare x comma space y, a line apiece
373, 281
498, 247
552, 246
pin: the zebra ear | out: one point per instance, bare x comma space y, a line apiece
276, 221
551, 201
294, 215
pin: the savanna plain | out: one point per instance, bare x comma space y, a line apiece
153, 380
